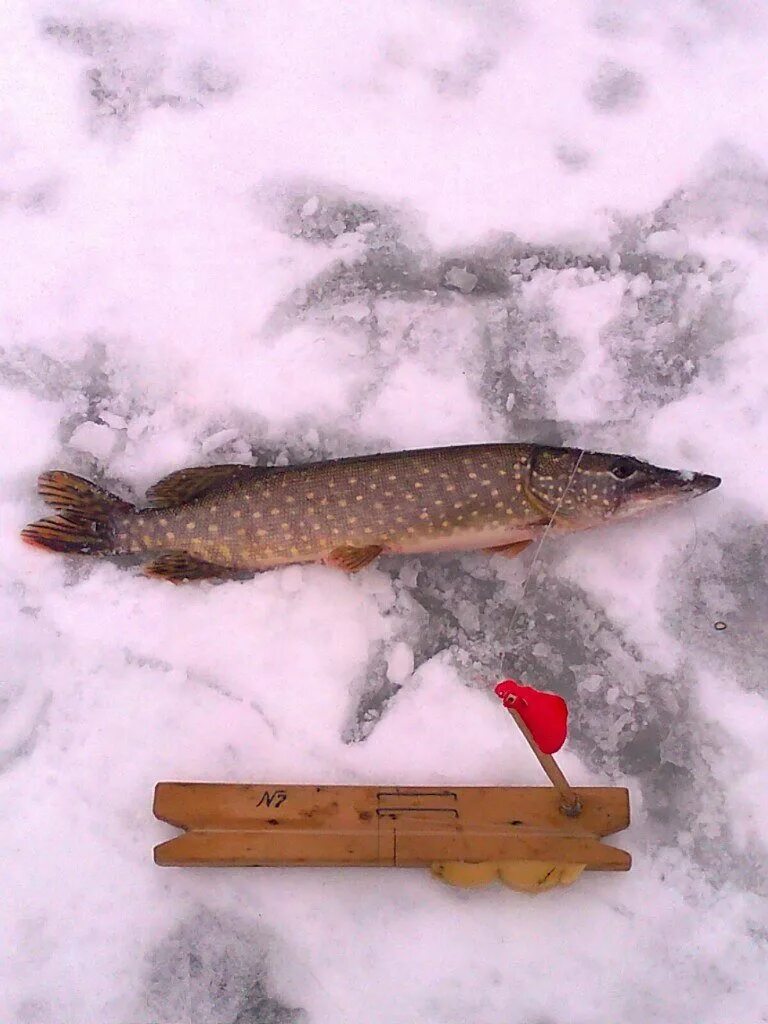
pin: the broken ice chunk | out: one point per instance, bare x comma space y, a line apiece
218, 440
95, 439
461, 279
399, 663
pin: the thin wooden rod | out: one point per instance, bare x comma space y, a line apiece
569, 798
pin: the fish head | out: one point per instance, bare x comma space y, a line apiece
580, 489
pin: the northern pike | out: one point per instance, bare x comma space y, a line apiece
219, 521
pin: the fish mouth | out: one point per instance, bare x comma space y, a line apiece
699, 483
668, 489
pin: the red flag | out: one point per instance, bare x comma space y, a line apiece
545, 714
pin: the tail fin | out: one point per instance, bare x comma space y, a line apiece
85, 521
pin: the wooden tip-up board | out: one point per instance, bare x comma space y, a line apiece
404, 826
532, 838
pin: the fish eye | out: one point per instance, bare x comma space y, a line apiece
623, 470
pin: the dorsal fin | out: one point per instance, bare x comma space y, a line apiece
188, 484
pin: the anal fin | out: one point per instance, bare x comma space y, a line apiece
188, 484
351, 559
180, 567
509, 550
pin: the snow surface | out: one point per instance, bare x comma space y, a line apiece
281, 231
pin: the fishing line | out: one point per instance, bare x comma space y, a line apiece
540, 545
692, 550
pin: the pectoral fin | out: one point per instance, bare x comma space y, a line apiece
351, 559
509, 550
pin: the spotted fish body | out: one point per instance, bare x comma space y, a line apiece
218, 520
